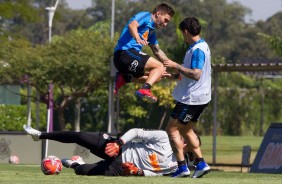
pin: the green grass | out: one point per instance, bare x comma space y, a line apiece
27, 174
229, 148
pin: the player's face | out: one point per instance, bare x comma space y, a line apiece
161, 19
187, 36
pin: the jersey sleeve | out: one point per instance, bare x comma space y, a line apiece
141, 134
141, 18
198, 59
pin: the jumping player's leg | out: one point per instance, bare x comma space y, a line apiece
155, 69
132, 64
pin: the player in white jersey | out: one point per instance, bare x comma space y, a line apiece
192, 94
149, 155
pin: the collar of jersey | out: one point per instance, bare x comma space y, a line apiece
199, 41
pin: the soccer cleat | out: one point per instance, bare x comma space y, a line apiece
72, 163
31, 131
119, 82
202, 168
146, 93
182, 171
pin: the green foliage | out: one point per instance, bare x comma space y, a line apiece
76, 64
240, 104
15, 16
274, 41
13, 117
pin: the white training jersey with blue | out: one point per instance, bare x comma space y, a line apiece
189, 91
151, 151
146, 30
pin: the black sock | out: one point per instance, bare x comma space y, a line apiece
181, 163
146, 86
198, 160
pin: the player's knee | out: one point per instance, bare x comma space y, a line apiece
161, 67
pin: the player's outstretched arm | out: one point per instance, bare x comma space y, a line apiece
161, 56
187, 72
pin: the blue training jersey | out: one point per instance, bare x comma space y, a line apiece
198, 56
146, 30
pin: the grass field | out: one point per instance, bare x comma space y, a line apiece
27, 174
229, 148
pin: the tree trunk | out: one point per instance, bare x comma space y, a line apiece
61, 118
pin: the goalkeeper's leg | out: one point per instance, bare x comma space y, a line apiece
104, 168
95, 142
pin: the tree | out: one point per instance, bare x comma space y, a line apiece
76, 64
275, 42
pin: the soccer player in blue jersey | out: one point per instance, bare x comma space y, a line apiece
134, 65
192, 94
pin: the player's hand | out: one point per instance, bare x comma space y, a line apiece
170, 64
142, 41
112, 149
166, 74
130, 169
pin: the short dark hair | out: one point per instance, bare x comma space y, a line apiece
192, 25
164, 8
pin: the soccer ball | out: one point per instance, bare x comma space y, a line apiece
14, 159
51, 165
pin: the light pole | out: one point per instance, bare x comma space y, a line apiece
51, 11
111, 128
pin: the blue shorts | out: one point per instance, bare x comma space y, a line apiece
186, 113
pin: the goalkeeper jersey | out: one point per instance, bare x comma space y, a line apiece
149, 150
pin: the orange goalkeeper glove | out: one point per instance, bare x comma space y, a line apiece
130, 169
112, 148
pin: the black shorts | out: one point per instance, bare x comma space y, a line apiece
130, 63
186, 113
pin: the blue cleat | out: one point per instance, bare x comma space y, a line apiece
181, 171
202, 168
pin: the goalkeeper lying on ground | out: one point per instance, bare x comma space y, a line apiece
151, 155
